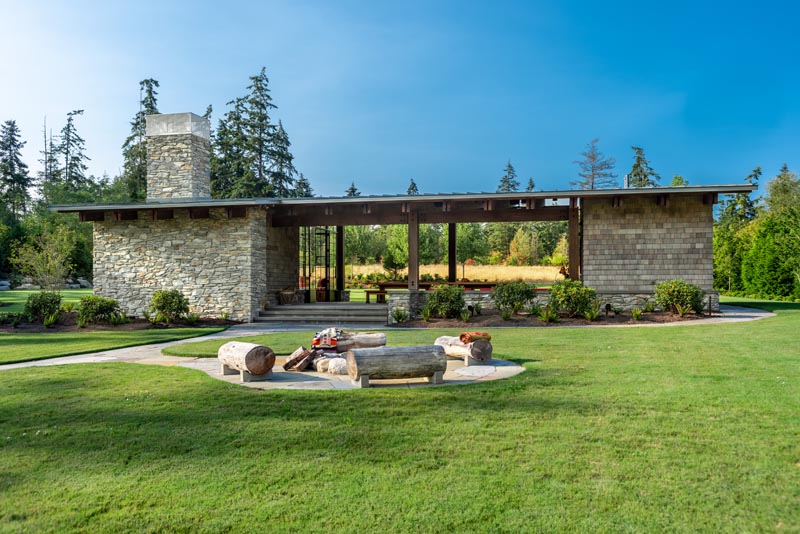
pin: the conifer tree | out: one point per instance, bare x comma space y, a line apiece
784, 191
134, 149
352, 191
641, 174
14, 178
678, 181
596, 171
303, 188
282, 170
258, 129
72, 151
531, 185
508, 182
412, 188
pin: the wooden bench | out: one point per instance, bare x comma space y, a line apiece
380, 295
396, 362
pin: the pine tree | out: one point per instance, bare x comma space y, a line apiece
134, 149
229, 162
531, 185
678, 181
784, 191
282, 170
412, 188
352, 191
14, 178
258, 129
596, 170
303, 188
71, 148
641, 175
509, 182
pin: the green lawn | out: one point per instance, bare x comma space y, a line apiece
690, 428
27, 347
14, 301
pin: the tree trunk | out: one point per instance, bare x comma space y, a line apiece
479, 350
396, 362
255, 359
359, 340
296, 357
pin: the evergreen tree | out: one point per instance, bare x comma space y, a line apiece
303, 187
412, 188
231, 174
784, 191
352, 191
531, 185
524, 247
259, 131
508, 182
14, 178
596, 170
282, 170
134, 149
71, 177
641, 174
678, 181
50, 165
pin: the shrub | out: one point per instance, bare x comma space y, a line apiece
169, 305
571, 297
52, 319
425, 312
649, 306
465, 315
506, 314
534, 308
549, 314
68, 307
672, 294
477, 308
513, 295
636, 313
399, 315
445, 301
94, 308
42, 305
593, 312
192, 319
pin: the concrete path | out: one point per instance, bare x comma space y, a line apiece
456, 372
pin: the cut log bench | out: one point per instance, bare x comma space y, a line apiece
396, 362
478, 352
252, 362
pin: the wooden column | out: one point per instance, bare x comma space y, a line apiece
413, 250
339, 262
573, 238
451, 252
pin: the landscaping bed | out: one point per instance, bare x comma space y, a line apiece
69, 323
492, 318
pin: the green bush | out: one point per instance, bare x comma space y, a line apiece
445, 301
572, 297
506, 314
94, 308
593, 312
399, 315
465, 315
42, 305
513, 295
636, 313
549, 314
679, 296
169, 305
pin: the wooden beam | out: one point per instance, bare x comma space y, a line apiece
125, 215
616, 202
91, 216
413, 250
573, 241
451, 252
710, 198
339, 262
662, 200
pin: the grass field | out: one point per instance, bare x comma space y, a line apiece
492, 273
689, 428
14, 301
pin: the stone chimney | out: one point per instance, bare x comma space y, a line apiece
178, 156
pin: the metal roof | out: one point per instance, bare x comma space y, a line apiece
427, 197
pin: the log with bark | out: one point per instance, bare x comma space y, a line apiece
359, 340
295, 357
396, 362
248, 359
478, 352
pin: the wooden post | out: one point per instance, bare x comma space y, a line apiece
451, 252
413, 250
339, 262
574, 245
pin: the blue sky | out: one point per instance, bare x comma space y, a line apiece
441, 92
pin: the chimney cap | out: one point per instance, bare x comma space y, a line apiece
177, 124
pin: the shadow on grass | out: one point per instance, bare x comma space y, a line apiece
768, 305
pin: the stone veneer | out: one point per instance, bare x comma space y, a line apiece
178, 156
628, 249
220, 264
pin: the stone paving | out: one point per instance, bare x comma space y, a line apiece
456, 372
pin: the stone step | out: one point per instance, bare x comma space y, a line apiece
325, 312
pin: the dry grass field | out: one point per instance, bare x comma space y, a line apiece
492, 273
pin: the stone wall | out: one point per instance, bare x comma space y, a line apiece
218, 263
628, 249
282, 258
178, 167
